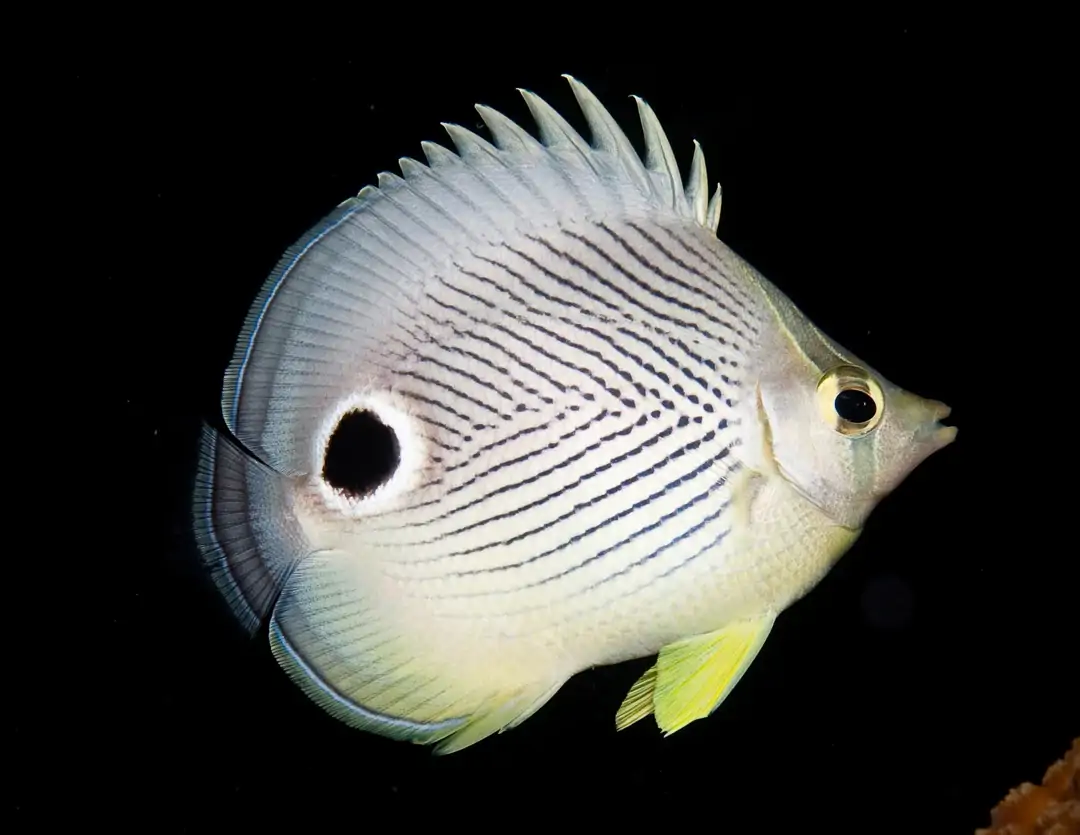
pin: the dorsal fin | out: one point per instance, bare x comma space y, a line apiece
345, 286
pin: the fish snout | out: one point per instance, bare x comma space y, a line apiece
934, 432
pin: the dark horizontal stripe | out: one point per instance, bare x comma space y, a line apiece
437, 404
502, 465
652, 526
611, 491
521, 433
508, 488
456, 392
712, 517
443, 426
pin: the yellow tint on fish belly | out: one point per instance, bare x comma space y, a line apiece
692, 676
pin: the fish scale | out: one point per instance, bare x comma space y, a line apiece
603, 435
562, 348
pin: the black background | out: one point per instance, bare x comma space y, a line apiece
863, 175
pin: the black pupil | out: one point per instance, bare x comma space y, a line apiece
362, 454
855, 406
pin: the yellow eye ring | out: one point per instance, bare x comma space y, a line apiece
850, 400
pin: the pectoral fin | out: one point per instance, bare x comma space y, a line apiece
693, 676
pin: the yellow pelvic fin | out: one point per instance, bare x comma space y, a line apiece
638, 702
693, 676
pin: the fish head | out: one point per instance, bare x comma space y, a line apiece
837, 430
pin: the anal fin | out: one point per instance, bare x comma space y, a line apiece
370, 663
499, 717
693, 676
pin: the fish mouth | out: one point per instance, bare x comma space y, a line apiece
944, 435
938, 433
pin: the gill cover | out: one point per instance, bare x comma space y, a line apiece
837, 430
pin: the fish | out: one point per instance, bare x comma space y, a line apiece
517, 413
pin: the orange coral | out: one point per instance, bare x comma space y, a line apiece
1050, 809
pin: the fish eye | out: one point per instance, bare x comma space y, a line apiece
850, 400
361, 454
855, 406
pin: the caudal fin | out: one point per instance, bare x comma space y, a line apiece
244, 527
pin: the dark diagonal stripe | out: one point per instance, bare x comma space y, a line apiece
456, 392
622, 269
652, 526
611, 491
591, 448
652, 268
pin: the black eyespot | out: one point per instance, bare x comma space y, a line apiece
361, 455
855, 406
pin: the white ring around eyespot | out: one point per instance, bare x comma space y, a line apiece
391, 412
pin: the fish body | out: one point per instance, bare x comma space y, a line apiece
518, 413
